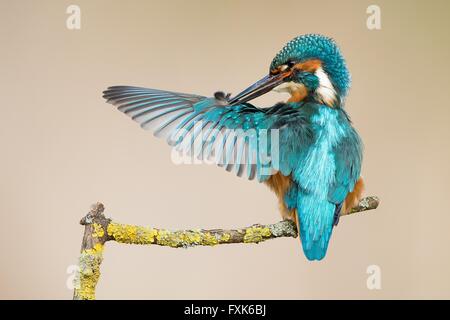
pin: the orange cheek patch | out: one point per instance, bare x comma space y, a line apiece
298, 95
309, 65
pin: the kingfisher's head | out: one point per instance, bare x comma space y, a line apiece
308, 67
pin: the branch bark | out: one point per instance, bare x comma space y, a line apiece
98, 230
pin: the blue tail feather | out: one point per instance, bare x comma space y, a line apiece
316, 217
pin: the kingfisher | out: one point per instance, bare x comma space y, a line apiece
304, 149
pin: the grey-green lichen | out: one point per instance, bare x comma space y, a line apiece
189, 238
284, 228
367, 203
88, 273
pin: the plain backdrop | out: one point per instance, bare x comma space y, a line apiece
63, 148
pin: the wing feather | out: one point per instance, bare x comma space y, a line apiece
207, 128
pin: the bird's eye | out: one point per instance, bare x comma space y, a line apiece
290, 63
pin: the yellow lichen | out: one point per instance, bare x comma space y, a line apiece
225, 237
256, 234
97, 249
142, 235
164, 237
98, 231
192, 237
125, 233
209, 239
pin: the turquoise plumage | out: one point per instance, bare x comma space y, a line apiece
309, 141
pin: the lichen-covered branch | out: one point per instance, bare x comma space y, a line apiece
99, 230
91, 255
367, 203
125, 233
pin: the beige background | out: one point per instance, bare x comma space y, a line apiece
63, 148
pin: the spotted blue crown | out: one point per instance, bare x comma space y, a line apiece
315, 46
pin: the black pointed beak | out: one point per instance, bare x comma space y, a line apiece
259, 88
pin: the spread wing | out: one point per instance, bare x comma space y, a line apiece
250, 141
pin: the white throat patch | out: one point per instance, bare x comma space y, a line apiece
325, 92
288, 87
